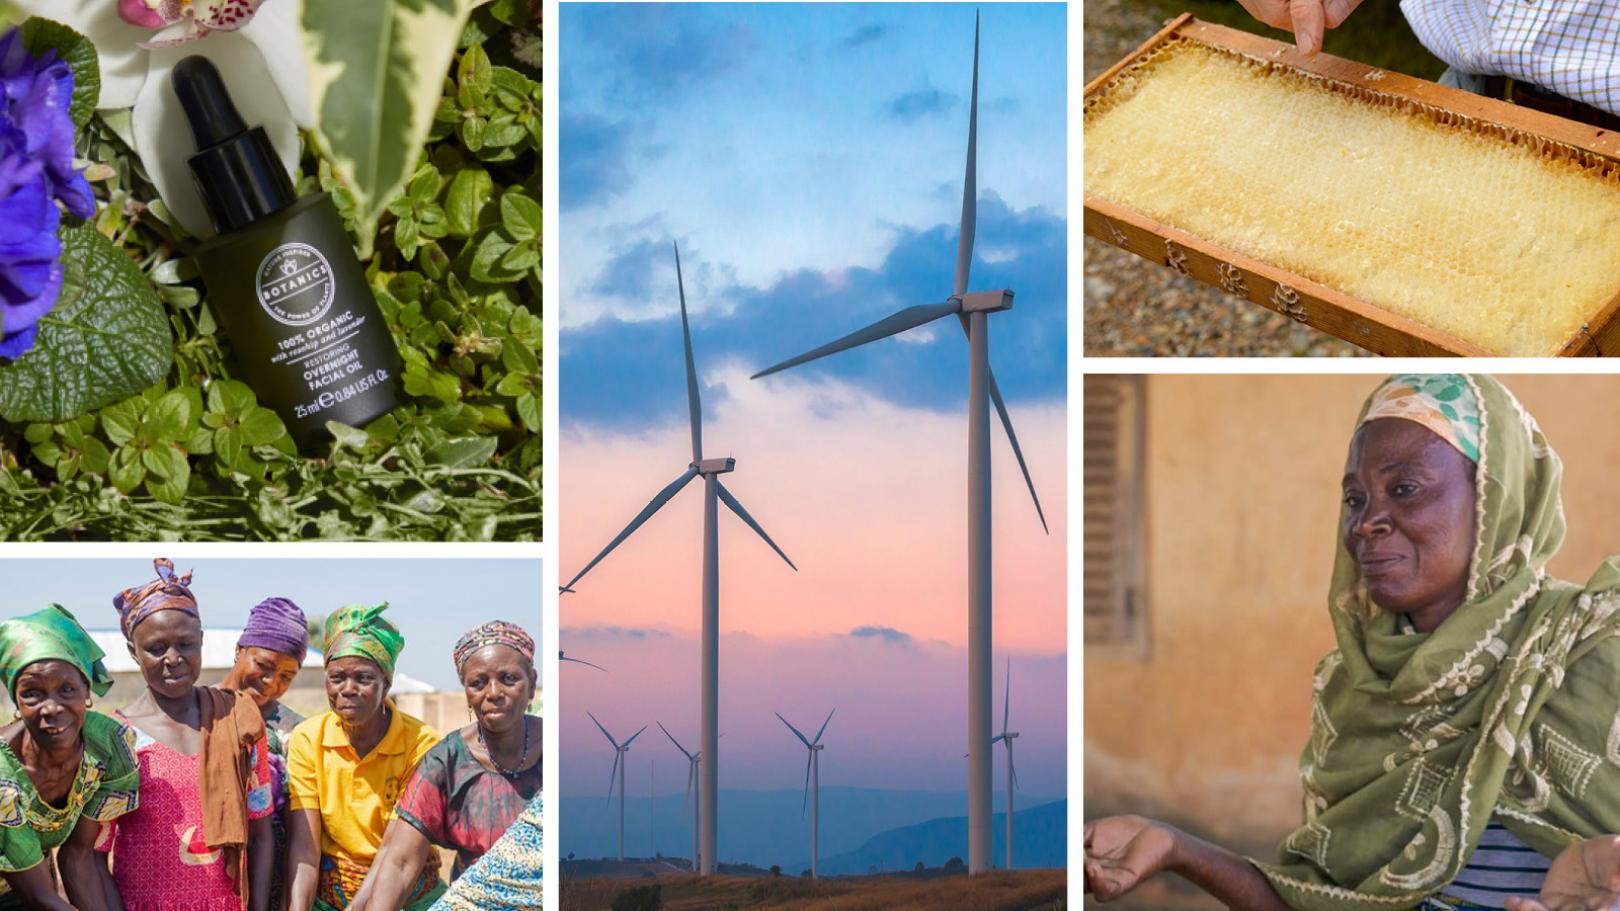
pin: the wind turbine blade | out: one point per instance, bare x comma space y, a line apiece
970, 182
614, 775
694, 404
562, 657
997, 739
794, 730
805, 805
909, 318
1013, 766
1006, 696
633, 737
604, 731
736, 507
673, 740
1006, 424
653, 505
691, 773
824, 725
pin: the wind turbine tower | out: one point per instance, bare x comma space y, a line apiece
973, 309
692, 760
619, 749
812, 782
714, 493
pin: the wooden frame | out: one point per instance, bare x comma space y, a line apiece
1316, 305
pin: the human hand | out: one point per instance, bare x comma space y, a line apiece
1305, 18
1123, 851
1584, 877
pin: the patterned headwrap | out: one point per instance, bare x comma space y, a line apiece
1442, 402
47, 634
361, 631
167, 592
279, 625
496, 632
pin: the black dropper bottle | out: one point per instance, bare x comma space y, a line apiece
282, 275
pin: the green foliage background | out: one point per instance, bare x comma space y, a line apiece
456, 271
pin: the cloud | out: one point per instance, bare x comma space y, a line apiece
652, 52
1006, 104
864, 35
629, 374
614, 632
593, 159
887, 634
920, 103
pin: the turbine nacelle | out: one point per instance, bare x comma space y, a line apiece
987, 301
714, 466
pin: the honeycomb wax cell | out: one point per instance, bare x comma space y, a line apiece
1450, 225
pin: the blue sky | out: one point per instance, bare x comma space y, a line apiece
809, 159
433, 601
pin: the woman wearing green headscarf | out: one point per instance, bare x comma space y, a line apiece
64, 770
1466, 731
346, 767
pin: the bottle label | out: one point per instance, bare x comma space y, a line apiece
294, 284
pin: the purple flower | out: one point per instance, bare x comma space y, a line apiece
36, 172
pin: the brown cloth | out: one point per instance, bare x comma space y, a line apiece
231, 725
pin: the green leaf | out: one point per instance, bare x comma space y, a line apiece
107, 339
228, 444
126, 471
462, 452
121, 421
262, 426
166, 462
520, 359
39, 35
467, 201
521, 258
173, 413
487, 256
520, 216
528, 408
376, 73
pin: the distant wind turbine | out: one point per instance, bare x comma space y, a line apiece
563, 657
972, 308
812, 782
713, 494
693, 760
619, 749
1007, 737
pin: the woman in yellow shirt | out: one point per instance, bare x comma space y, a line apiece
346, 767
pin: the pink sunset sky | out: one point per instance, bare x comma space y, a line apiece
868, 498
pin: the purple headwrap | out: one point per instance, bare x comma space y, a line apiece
278, 625
167, 592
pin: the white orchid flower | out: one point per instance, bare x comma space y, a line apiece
259, 55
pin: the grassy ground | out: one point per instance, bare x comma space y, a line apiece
1375, 34
1025, 890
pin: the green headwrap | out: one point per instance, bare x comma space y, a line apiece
1511, 706
361, 631
46, 634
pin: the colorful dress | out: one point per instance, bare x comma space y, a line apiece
158, 851
508, 877
277, 726
106, 787
459, 804
356, 796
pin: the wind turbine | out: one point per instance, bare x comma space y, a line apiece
973, 309
693, 760
714, 493
1007, 737
812, 781
618, 759
563, 657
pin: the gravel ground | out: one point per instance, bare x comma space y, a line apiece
1135, 307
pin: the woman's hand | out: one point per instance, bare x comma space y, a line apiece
1307, 19
1584, 877
1123, 851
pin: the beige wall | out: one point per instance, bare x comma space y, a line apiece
1241, 484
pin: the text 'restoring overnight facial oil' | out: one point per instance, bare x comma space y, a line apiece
282, 276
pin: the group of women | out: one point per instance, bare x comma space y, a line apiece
199, 798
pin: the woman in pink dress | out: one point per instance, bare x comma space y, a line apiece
201, 839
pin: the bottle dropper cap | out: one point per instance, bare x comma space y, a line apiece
235, 168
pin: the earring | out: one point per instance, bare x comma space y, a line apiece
89, 702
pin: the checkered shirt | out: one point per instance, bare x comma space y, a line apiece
1571, 47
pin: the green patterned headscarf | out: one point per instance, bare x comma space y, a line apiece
46, 634
1511, 706
361, 631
